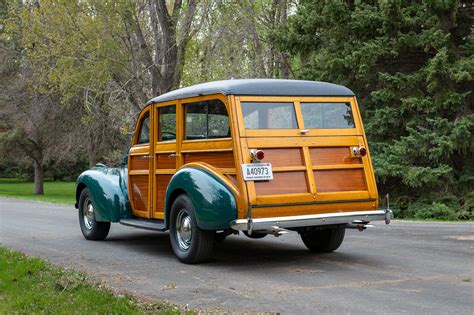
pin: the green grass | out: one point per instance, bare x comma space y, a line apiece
31, 285
55, 192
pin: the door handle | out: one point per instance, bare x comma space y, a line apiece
173, 155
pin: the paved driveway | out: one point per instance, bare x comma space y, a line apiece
406, 267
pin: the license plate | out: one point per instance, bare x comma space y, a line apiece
257, 171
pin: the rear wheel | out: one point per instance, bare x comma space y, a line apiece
189, 243
323, 240
91, 229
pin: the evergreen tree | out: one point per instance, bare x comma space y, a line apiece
411, 65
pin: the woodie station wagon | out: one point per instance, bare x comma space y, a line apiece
256, 156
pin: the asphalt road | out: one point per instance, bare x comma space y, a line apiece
406, 267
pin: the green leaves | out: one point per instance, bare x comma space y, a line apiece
411, 64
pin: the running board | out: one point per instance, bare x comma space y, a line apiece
153, 225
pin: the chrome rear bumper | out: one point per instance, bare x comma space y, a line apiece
360, 218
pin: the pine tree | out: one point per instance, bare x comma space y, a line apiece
411, 65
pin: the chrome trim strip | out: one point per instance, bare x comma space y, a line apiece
356, 217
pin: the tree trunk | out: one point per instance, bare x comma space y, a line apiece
38, 178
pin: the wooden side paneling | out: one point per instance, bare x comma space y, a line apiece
165, 161
332, 156
216, 159
139, 185
283, 157
233, 178
139, 162
161, 185
340, 180
283, 183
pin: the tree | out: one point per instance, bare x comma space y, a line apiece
34, 125
232, 42
108, 58
411, 64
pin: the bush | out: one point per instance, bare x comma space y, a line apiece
438, 211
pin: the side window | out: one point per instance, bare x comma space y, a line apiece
167, 123
145, 130
206, 120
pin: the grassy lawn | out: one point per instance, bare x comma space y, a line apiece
32, 285
56, 192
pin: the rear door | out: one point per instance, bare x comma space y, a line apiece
140, 165
309, 141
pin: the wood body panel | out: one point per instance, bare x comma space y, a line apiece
340, 180
283, 183
216, 159
139, 162
284, 157
333, 156
161, 185
139, 185
281, 211
166, 161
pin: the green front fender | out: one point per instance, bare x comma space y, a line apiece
214, 203
109, 192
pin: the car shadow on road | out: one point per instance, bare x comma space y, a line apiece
239, 251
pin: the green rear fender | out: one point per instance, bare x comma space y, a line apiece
109, 192
213, 201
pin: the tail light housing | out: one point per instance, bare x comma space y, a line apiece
359, 151
257, 155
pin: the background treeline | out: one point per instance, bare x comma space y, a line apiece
74, 75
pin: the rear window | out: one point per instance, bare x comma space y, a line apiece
263, 115
327, 115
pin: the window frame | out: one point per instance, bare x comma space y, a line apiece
289, 105
157, 118
323, 107
145, 114
185, 102
297, 100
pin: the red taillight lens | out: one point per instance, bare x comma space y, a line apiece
362, 151
259, 155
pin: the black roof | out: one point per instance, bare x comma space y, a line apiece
257, 87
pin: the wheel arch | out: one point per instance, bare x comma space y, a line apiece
212, 197
108, 192
79, 188
169, 202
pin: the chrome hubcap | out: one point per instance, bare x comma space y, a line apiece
184, 229
88, 214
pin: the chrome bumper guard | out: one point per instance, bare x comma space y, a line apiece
357, 218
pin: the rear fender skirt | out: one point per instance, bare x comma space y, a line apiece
213, 197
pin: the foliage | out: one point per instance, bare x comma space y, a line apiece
411, 64
55, 192
31, 285
231, 42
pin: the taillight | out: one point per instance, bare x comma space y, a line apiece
359, 151
257, 155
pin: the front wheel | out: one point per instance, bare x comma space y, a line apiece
323, 240
91, 229
189, 243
